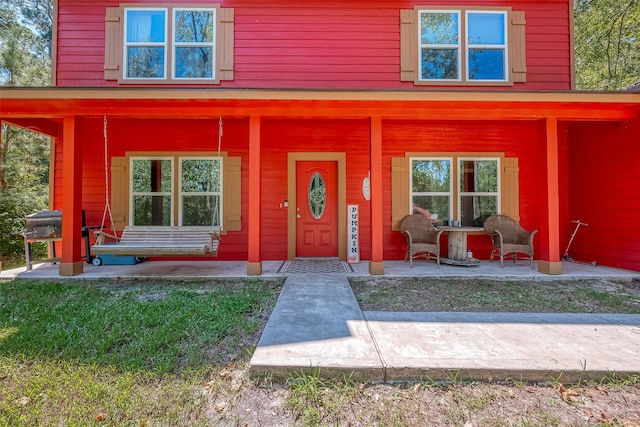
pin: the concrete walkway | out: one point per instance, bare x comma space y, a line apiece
317, 323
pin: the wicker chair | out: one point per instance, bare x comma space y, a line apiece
509, 237
423, 239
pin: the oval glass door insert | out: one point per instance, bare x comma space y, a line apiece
317, 195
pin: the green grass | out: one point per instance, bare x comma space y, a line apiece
481, 295
81, 352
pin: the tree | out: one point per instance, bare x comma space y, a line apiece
24, 155
607, 34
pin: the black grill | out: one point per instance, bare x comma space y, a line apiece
44, 225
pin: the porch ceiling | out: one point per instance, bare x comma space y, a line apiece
54, 103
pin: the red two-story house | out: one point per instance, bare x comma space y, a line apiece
271, 119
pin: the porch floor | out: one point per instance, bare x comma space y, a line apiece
206, 269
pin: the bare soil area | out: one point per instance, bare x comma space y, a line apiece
235, 400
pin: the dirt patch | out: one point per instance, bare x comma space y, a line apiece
235, 400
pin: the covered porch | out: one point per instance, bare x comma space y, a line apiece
65, 114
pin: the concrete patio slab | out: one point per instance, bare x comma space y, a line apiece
497, 346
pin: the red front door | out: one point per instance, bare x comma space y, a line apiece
317, 209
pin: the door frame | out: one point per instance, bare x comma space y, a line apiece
292, 159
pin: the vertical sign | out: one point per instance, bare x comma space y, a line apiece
353, 251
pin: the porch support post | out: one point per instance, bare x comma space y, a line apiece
376, 265
71, 263
553, 264
254, 264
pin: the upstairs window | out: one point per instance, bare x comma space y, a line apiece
145, 52
177, 45
478, 46
193, 43
486, 48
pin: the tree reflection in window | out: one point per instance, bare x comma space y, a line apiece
440, 45
194, 43
200, 192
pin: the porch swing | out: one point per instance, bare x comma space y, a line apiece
149, 241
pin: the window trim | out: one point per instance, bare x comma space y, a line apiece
505, 46
212, 44
176, 194
459, 46
114, 45
169, 45
450, 193
133, 194
126, 44
455, 195
516, 61
219, 193
463, 45
460, 175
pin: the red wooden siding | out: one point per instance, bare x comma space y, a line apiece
514, 139
129, 135
604, 185
280, 137
317, 44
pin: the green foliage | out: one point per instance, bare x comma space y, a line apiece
24, 56
607, 44
24, 169
24, 156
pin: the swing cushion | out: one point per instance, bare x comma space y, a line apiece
147, 241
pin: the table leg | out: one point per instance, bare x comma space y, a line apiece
458, 246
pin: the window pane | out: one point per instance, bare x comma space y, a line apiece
152, 176
475, 209
145, 62
152, 210
317, 195
486, 28
438, 28
479, 176
439, 64
430, 176
201, 210
486, 64
194, 62
200, 176
434, 204
194, 26
145, 26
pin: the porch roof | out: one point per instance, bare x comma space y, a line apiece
22, 106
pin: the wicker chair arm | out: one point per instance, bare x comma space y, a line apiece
497, 237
